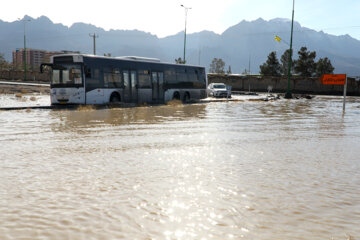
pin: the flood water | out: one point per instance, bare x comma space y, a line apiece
236, 170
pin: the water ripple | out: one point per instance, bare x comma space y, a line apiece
252, 170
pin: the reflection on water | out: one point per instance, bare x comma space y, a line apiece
252, 170
88, 117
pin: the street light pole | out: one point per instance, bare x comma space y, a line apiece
288, 92
24, 21
186, 10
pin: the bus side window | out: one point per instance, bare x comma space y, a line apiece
96, 81
202, 76
116, 76
170, 75
112, 78
181, 75
107, 78
144, 79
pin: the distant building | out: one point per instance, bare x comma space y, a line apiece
34, 57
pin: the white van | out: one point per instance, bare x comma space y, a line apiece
219, 90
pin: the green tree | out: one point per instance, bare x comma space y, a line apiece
3, 63
284, 66
180, 61
271, 67
217, 66
324, 66
305, 65
229, 70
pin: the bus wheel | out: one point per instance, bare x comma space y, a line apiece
186, 98
115, 98
176, 96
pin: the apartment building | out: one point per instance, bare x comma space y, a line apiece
34, 57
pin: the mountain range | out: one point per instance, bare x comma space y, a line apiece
245, 45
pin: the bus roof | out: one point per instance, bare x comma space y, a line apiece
126, 58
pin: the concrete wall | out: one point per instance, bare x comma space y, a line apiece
238, 82
279, 84
30, 76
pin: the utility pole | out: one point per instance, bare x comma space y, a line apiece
249, 73
186, 10
288, 92
94, 36
24, 21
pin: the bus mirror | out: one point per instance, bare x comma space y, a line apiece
45, 65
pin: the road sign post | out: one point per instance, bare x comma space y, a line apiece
345, 87
336, 79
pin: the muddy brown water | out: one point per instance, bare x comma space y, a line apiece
251, 170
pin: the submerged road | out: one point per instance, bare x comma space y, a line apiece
10, 106
129, 105
287, 169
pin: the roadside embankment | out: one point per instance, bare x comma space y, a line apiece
31, 76
23, 88
298, 85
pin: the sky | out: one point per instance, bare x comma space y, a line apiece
167, 17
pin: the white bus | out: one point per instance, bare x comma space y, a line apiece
89, 79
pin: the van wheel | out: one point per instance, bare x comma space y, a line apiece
186, 98
115, 98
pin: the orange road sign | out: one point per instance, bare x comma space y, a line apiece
333, 79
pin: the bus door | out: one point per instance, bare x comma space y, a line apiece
127, 86
94, 86
157, 83
134, 86
130, 86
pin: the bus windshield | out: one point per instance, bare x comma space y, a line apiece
67, 75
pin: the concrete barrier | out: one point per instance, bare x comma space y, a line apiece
30, 76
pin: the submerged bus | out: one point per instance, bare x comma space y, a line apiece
89, 79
